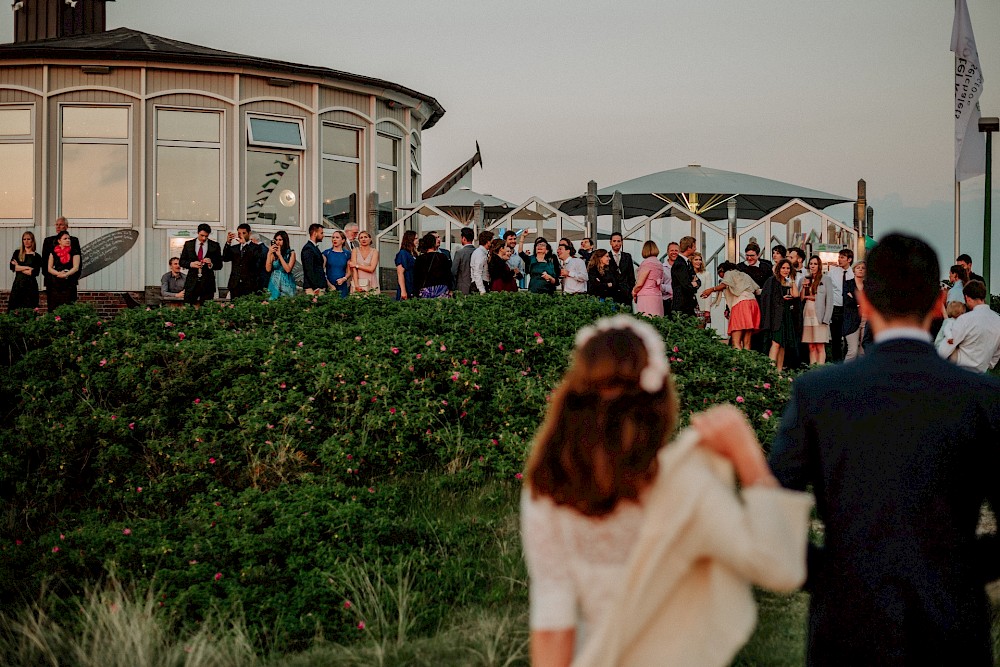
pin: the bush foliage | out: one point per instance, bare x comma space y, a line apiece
257, 455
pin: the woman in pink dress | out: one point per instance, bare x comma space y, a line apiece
646, 292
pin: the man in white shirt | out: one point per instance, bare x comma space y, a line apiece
975, 338
516, 263
666, 287
480, 270
839, 275
574, 271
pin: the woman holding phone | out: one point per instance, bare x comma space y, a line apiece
279, 263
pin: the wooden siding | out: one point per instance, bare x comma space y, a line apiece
345, 117
252, 87
19, 97
390, 129
186, 100
158, 80
122, 78
383, 111
333, 97
28, 77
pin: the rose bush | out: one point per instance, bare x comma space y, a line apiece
243, 453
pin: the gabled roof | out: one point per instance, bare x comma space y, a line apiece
129, 44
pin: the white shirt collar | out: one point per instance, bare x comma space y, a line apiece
903, 333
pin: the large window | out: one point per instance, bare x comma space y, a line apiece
94, 169
274, 178
414, 169
17, 165
188, 166
387, 158
341, 169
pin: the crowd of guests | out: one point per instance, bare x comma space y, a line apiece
59, 261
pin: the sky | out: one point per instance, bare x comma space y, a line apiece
560, 92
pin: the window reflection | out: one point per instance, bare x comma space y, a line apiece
188, 125
341, 172
95, 181
95, 122
387, 155
15, 122
187, 184
273, 188
17, 170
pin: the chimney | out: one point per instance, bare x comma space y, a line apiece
47, 19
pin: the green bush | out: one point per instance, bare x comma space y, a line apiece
251, 455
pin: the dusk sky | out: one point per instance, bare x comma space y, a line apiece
558, 93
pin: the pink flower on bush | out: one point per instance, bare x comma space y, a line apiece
61, 536
361, 625
58, 319
392, 411
349, 457
168, 324
395, 350
131, 426
218, 575
282, 385
114, 417
138, 489
104, 362
181, 335
676, 349
197, 401
300, 344
127, 531
429, 343
518, 351
443, 348
767, 385
539, 340
357, 338
444, 402
454, 376
739, 399
499, 347
347, 604
55, 550
518, 476
371, 489
495, 441
211, 461
419, 355
765, 416
363, 383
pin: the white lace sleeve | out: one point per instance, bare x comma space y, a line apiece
550, 588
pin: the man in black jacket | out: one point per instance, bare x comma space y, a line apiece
901, 449
246, 258
682, 279
623, 268
201, 258
313, 276
62, 225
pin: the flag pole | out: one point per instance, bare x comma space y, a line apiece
958, 217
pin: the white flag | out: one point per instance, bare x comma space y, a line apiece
970, 144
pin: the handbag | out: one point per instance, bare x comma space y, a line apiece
433, 292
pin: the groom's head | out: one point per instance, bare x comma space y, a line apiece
902, 281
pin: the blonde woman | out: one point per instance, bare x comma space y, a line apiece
646, 293
26, 263
704, 302
364, 265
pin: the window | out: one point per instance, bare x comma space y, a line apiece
17, 166
188, 166
94, 166
275, 132
273, 177
387, 159
341, 170
414, 170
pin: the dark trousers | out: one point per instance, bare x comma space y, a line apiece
668, 307
242, 288
837, 344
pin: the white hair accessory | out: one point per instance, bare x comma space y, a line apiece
651, 377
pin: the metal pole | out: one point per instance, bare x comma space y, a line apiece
592, 210
958, 215
616, 212
732, 252
988, 214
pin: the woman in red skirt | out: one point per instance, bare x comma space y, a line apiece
744, 313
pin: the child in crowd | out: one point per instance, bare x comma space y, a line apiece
954, 309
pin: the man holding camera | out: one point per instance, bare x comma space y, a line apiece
246, 258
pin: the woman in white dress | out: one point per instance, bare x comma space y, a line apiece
640, 553
815, 293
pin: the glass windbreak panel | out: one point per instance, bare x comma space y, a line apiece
340, 193
386, 197
273, 188
188, 184
340, 141
95, 122
95, 181
385, 150
17, 170
15, 122
268, 131
188, 125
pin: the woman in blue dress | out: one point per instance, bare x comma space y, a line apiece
279, 263
337, 258
406, 262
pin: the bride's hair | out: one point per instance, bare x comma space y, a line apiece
598, 443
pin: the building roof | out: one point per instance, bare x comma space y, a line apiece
129, 44
456, 175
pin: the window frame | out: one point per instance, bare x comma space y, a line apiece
156, 143
357, 161
251, 141
128, 142
395, 168
21, 139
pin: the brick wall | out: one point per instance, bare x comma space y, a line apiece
107, 304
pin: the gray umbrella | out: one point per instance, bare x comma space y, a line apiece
703, 191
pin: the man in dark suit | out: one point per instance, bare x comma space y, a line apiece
623, 268
313, 276
201, 257
901, 449
246, 258
62, 224
682, 279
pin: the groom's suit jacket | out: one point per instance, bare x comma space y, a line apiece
901, 449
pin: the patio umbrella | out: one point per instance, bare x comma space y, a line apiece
460, 203
703, 191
